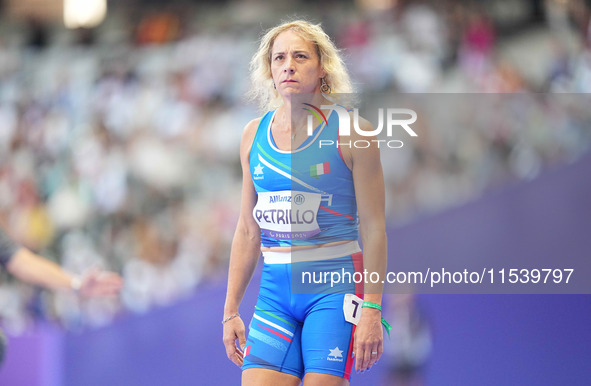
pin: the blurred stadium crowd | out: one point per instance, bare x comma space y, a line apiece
119, 145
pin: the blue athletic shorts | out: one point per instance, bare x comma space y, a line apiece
297, 333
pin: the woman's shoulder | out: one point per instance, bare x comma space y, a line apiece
249, 133
251, 127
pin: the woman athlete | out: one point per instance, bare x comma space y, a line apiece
302, 207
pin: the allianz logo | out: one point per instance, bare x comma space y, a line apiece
279, 198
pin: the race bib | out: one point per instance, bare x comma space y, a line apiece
287, 215
352, 308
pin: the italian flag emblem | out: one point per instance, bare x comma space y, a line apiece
319, 169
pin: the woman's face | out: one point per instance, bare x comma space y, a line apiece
295, 66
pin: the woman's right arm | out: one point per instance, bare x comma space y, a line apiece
246, 249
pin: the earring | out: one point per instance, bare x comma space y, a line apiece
324, 87
275, 87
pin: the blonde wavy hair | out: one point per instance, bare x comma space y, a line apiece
331, 62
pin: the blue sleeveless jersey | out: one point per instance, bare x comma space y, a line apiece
305, 196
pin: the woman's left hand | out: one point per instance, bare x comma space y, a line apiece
368, 340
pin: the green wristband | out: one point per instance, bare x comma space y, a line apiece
372, 305
378, 307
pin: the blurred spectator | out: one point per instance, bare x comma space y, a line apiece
477, 45
38, 33
158, 28
411, 342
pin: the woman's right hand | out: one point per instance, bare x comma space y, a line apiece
234, 330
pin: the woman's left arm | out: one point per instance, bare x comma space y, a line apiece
368, 180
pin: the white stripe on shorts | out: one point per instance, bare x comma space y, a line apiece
312, 254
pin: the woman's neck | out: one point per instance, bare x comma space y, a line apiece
293, 113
